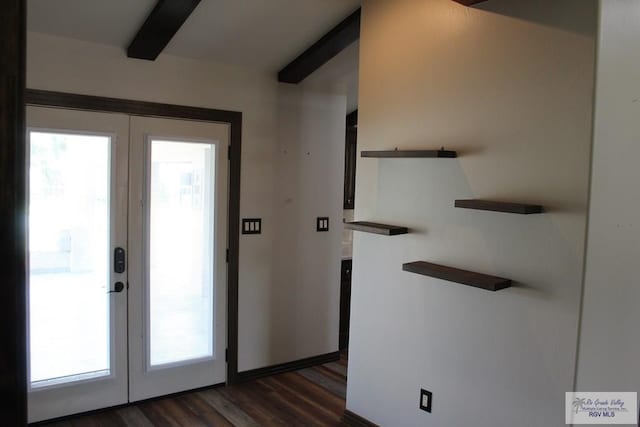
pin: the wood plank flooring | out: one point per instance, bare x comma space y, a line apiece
308, 397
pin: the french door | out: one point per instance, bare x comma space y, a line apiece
177, 246
127, 274
77, 186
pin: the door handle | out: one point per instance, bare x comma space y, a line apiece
117, 288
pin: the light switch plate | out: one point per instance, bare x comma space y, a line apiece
251, 225
322, 223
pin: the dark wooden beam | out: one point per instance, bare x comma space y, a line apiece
331, 44
161, 25
13, 349
469, 2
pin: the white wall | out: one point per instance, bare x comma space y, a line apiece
510, 86
609, 346
305, 300
281, 124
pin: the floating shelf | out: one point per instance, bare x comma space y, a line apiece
410, 154
469, 2
372, 227
469, 278
488, 205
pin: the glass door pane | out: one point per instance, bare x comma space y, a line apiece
181, 251
69, 218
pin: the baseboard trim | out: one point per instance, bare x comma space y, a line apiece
287, 367
355, 420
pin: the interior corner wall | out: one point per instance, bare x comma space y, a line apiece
268, 291
508, 84
296, 314
310, 175
609, 346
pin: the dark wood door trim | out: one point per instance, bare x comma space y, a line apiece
350, 160
152, 109
352, 119
135, 108
345, 304
13, 349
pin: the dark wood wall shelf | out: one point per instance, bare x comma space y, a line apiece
469, 2
373, 227
410, 154
469, 278
491, 205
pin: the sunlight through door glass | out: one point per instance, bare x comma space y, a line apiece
69, 246
181, 251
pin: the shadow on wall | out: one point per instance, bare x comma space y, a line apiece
304, 304
494, 242
568, 16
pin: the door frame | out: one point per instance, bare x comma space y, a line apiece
13, 364
45, 98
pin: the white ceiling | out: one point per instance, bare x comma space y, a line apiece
266, 34
263, 34
111, 22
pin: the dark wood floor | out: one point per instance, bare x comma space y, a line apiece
309, 397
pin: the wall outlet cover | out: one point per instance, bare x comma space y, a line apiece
426, 399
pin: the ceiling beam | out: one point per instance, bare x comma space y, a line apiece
331, 44
163, 22
469, 2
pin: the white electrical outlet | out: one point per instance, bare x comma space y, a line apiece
426, 400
